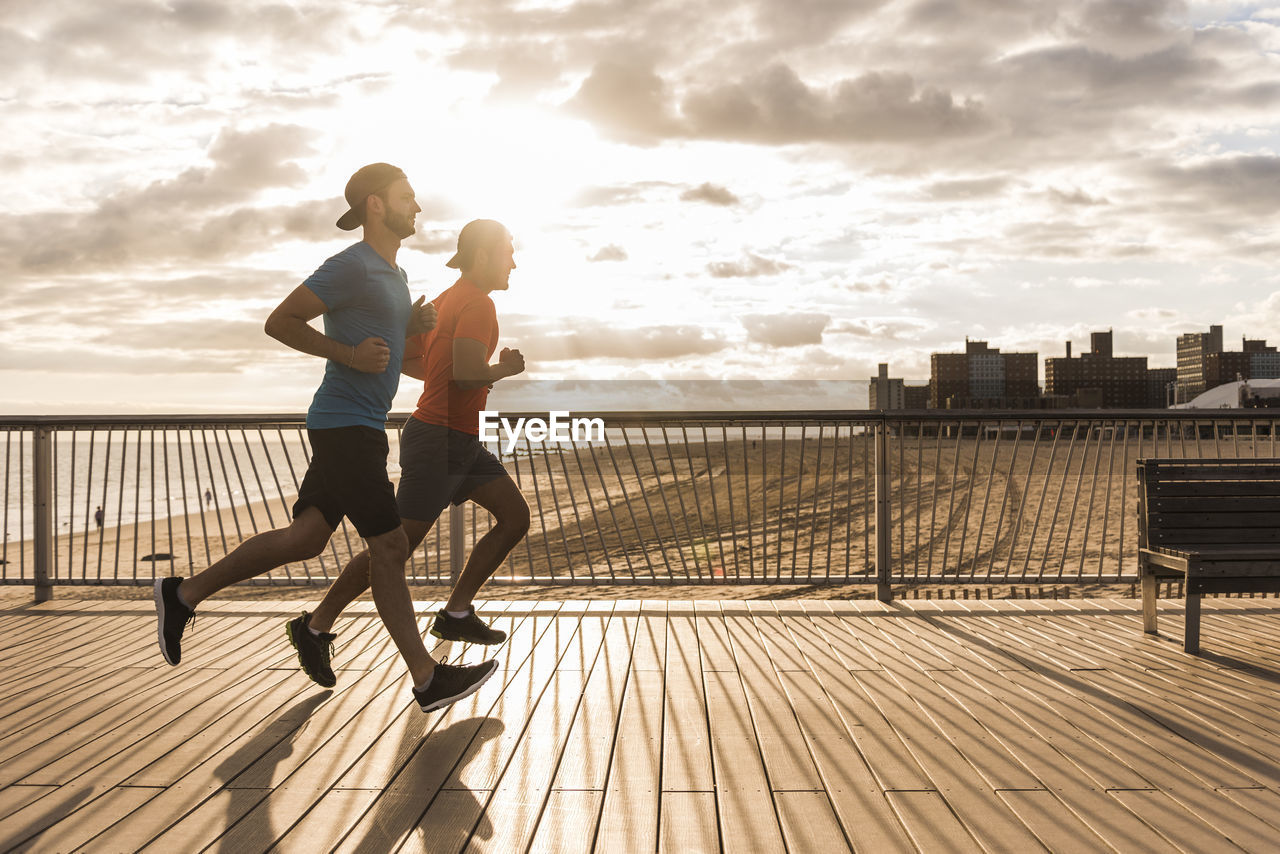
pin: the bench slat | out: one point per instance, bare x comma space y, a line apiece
1215, 519
1218, 488
1224, 551
1220, 504
1211, 536
1255, 584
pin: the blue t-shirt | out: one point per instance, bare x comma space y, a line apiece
364, 297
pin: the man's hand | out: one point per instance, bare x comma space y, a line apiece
422, 317
511, 361
371, 356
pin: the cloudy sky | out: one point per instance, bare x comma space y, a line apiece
746, 190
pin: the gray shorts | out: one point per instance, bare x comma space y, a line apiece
439, 465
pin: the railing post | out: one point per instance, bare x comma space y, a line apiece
42, 488
457, 554
884, 592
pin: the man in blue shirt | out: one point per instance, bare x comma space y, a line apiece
363, 297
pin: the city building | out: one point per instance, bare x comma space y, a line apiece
983, 378
1193, 348
1100, 379
893, 393
1203, 364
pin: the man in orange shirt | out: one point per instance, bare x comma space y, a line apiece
441, 457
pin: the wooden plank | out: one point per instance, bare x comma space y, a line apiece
782, 649
713, 638
14, 798
568, 821
965, 779
70, 827
1073, 784
268, 804
809, 823
254, 735
931, 824
777, 731
747, 819
324, 826
629, 816
688, 823
468, 756
526, 782
1057, 827
856, 797
585, 761
1182, 829
1242, 748
1262, 803
458, 818
686, 749
1128, 733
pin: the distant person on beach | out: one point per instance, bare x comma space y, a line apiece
208, 498
441, 457
364, 299
98, 516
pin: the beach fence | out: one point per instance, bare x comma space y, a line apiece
799, 498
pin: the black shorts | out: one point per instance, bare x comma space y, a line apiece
439, 465
348, 477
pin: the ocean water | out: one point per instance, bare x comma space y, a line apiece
140, 475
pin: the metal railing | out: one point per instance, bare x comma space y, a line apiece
884, 498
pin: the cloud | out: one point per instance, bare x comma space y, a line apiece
775, 107
612, 252
585, 340
785, 330
1246, 184
605, 196
1075, 197
626, 99
750, 266
188, 335
133, 42
711, 194
880, 329
969, 188
203, 213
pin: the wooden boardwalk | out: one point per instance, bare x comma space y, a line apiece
999, 726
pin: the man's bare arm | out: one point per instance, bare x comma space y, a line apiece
289, 323
469, 367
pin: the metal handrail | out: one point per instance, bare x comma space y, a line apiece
718, 496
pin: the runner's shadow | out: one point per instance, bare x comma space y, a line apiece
430, 765
262, 753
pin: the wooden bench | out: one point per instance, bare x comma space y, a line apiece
1215, 524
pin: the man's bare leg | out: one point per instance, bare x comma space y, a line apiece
387, 555
305, 538
353, 581
502, 498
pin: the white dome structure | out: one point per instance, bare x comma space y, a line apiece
1235, 395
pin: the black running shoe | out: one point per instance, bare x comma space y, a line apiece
171, 618
452, 682
314, 651
470, 628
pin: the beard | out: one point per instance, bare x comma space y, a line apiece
398, 224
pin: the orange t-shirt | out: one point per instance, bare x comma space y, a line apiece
462, 311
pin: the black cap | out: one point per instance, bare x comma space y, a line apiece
366, 181
477, 234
